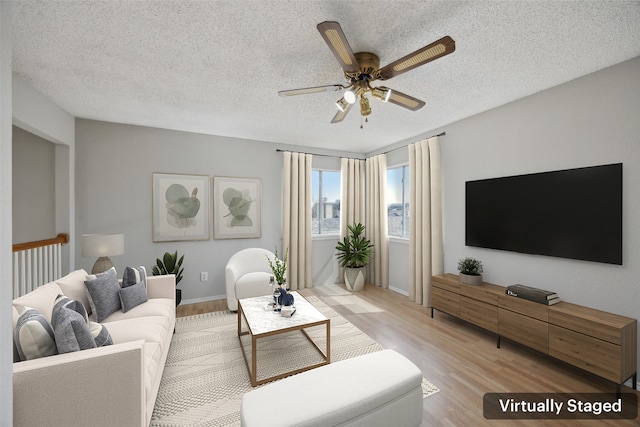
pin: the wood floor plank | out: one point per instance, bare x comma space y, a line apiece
460, 358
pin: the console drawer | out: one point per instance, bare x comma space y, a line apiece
445, 301
591, 354
479, 313
523, 306
523, 329
447, 282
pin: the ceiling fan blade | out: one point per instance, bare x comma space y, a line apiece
340, 115
334, 37
405, 100
429, 53
315, 89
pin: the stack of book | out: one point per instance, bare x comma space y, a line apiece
533, 294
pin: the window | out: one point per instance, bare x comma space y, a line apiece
325, 199
398, 201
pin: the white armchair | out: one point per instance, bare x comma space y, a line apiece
247, 275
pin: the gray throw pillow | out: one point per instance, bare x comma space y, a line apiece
70, 326
134, 275
103, 293
100, 334
33, 336
132, 296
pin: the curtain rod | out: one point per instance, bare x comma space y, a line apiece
404, 146
279, 150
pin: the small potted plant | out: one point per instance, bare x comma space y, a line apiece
470, 269
170, 264
279, 267
353, 254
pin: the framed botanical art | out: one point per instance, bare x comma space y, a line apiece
237, 207
180, 207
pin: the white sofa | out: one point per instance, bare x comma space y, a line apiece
114, 385
247, 275
377, 389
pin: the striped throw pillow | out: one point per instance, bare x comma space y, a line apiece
33, 336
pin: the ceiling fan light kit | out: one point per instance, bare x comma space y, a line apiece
362, 68
342, 104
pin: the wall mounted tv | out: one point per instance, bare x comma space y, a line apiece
573, 213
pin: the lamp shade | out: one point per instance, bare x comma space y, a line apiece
102, 245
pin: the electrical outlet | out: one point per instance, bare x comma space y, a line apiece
204, 276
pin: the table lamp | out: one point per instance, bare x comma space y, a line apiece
102, 246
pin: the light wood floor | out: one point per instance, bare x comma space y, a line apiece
459, 358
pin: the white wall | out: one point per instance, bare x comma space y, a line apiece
115, 164
6, 290
589, 121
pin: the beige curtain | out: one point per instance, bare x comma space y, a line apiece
352, 176
425, 219
376, 231
296, 218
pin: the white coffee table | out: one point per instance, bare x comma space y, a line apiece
261, 323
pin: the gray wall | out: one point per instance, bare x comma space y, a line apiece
589, 121
115, 164
33, 191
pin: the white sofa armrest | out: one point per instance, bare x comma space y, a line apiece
163, 286
97, 387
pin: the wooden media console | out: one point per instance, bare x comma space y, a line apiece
597, 341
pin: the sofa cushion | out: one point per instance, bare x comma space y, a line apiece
33, 335
133, 276
71, 326
41, 299
153, 307
72, 285
103, 293
133, 295
149, 329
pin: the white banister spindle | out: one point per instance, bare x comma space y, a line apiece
36, 266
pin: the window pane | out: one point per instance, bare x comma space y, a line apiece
398, 201
325, 212
395, 209
405, 201
315, 194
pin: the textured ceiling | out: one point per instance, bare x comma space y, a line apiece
215, 67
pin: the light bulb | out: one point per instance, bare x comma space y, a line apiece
350, 97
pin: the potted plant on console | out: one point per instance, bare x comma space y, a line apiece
353, 254
470, 269
170, 264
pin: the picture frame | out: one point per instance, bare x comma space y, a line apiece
180, 207
237, 208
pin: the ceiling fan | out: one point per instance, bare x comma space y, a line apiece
362, 68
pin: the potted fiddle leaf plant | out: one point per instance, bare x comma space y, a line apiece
170, 264
470, 269
353, 254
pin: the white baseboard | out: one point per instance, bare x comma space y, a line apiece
400, 291
203, 299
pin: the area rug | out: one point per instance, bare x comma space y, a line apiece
206, 375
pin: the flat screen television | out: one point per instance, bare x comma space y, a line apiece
573, 213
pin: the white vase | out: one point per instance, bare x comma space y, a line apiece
354, 278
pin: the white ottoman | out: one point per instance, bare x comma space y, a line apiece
377, 389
